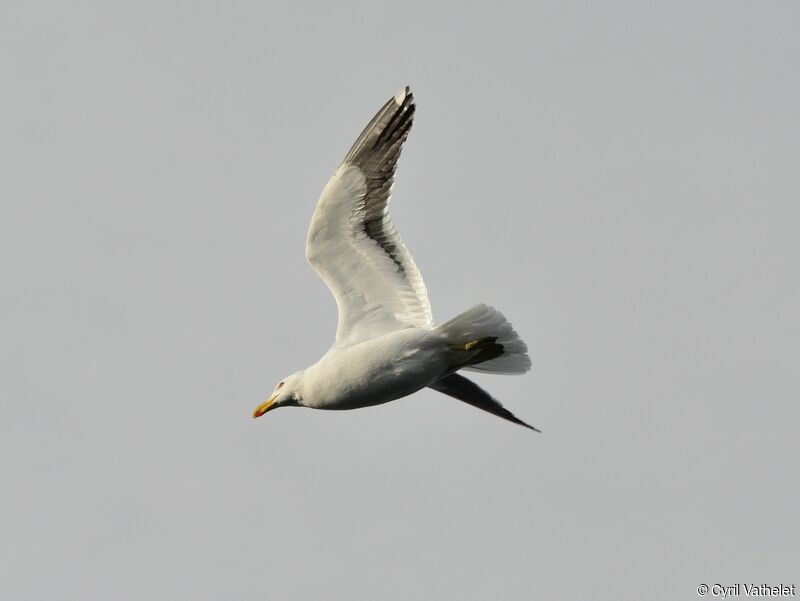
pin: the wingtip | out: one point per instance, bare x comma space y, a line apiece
527, 425
400, 97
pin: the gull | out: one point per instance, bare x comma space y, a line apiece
387, 345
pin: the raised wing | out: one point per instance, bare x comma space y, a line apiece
352, 243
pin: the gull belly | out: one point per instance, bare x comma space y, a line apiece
377, 371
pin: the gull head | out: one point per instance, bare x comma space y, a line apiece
286, 394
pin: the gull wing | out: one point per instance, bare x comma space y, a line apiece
352, 243
460, 388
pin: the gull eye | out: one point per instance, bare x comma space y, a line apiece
280, 384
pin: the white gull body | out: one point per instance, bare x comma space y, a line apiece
387, 345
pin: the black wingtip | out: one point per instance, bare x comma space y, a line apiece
404, 96
465, 390
517, 420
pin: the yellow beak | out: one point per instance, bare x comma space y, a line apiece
265, 406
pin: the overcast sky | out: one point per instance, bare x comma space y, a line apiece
620, 180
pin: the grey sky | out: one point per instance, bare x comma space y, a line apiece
620, 181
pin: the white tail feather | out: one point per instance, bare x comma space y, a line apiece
483, 321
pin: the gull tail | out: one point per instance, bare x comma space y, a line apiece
465, 390
488, 341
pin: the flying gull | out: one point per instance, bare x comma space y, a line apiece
387, 345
